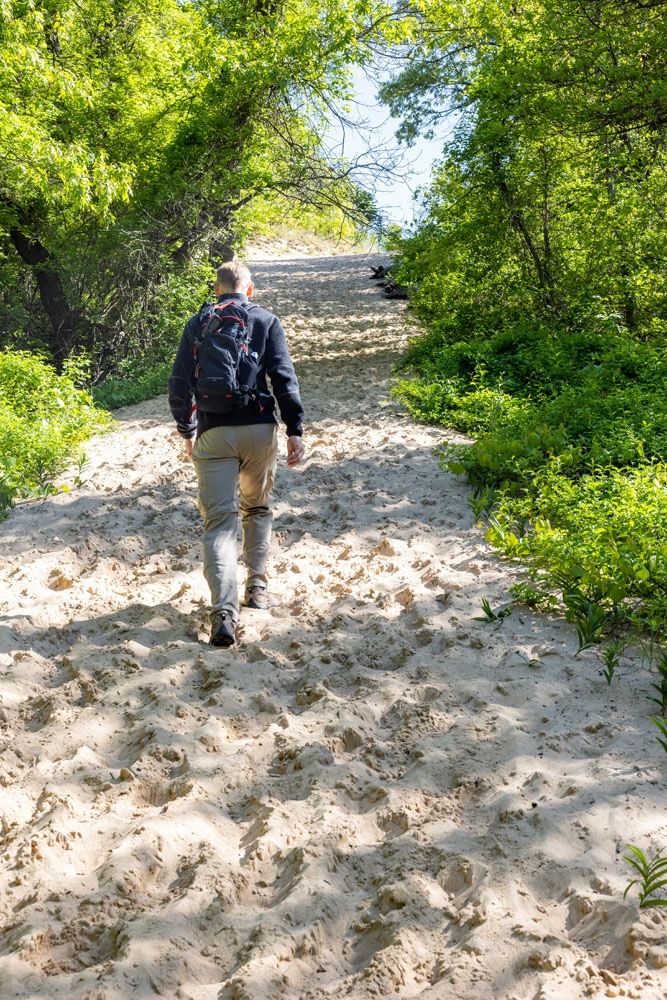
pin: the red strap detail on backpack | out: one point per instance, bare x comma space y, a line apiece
220, 307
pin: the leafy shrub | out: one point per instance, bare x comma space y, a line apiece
571, 433
604, 533
447, 401
124, 390
44, 417
537, 264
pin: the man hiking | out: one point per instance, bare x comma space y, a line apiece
219, 398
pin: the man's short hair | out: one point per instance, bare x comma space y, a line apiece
234, 275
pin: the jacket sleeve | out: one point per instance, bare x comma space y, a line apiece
284, 382
181, 385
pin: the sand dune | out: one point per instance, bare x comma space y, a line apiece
374, 794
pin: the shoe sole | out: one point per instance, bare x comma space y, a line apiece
223, 642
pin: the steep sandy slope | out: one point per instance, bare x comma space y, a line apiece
374, 795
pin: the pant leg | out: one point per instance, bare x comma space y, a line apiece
256, 479
217, 460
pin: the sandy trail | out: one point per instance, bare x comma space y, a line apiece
374, 795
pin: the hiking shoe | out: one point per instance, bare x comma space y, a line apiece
259, 598
223, 631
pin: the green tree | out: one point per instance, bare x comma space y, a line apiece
133, 131
539, 267
557, 165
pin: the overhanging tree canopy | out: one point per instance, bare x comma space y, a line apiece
132, 130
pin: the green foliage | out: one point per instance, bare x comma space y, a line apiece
660, 724
157, 321
573, 455
660, 686
126, 389
44, 418
490, 615
611, 658
139, 139
533, 596
652, 876
603, 534
446, 401
482, 502
538, 269
272, 215
550, 196
589, 618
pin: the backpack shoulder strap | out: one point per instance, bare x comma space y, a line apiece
204, 317
256, 342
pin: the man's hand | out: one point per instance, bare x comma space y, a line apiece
189, 445
295, 450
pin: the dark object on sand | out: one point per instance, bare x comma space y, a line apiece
380, 272
394, 291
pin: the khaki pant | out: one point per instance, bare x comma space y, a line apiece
227, 457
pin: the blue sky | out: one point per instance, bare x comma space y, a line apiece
371, 136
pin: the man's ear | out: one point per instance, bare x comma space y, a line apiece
250, 289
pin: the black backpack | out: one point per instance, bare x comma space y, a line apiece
226, 369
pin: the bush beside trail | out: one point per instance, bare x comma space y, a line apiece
44, 418
571, 430
538, 267
140, 383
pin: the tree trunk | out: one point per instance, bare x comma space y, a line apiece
629, 302
520, 226
220, 250
208, 221
62, 318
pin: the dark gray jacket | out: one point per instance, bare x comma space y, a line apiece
267, 337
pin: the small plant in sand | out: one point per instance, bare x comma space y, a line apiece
588, 616
661, 725
611, 657
652, 876
482, 501
82, 467
660, 686
490, 615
